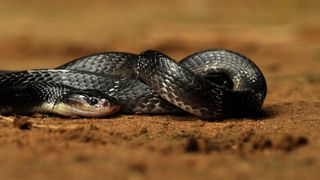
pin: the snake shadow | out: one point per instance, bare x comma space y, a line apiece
264, 114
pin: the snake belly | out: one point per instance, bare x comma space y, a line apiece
212, 84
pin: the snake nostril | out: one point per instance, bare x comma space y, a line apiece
104, 103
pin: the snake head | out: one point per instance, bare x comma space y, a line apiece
87, 103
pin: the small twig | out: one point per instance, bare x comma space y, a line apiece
23, 124
55, 127
6, 119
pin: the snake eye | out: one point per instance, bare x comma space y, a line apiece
93, 101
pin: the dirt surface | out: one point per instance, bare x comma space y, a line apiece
282, 142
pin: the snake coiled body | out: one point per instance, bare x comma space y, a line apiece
212, 84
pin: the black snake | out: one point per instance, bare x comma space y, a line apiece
211, 84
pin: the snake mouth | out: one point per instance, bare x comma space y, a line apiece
87, 106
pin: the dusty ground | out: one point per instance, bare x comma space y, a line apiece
283, 142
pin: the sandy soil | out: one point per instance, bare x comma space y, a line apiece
282, 142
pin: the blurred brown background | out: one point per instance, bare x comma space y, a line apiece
41, 34
281, 36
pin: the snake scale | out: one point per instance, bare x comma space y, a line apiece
211, 84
